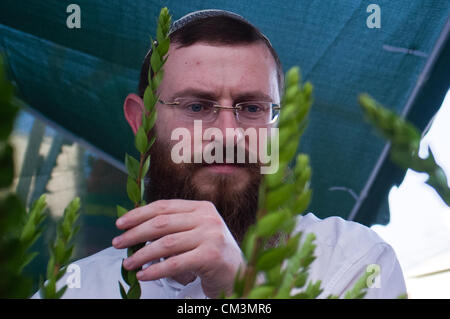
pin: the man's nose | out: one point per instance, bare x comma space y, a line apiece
226, 122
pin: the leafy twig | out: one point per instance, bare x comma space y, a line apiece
61, 251
281, 199
138, 169
284, 269
405, 141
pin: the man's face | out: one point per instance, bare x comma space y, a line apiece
227, 75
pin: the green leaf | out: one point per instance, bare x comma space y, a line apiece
292, 245
286, 134
307, 247
289, 150
141, 140
132, 280
274, 275
28, 258
50, 289
152, 119
301, 279
261, 292
249, 242
314, 290
60, 292
303, 179
132, 166
50, 267
66, 228
35, 218
38, 206
270, 258
27, 232
124, 274
157, 79
74, 205
29, 244
271, 223
302, 202
155, 62
152, 140
279, 197
359, 289
150, 99
238, 286
133, 190
289, 111
145, 123
122, 291
275, 180
145, 167
121, 211
68, 254
59, 250
293, 76
134, 292
163, 46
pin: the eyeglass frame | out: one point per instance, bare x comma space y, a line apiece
275, 106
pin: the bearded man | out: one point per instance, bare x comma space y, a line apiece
224, 72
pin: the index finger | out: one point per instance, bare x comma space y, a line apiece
141, 214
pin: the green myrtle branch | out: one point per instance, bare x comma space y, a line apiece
61, 250
282, 196
405, 141
137, 170
282, 271
32, 229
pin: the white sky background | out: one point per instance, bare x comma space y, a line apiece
419, 230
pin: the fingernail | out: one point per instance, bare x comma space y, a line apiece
127, 262
139, 274
120, 221
116, 241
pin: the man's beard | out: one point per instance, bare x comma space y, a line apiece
235, 195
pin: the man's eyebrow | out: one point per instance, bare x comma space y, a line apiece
252, 96
193, 92
204, 94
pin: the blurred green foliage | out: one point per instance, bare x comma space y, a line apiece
20, 229
405, 142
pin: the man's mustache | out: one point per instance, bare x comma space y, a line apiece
234, 160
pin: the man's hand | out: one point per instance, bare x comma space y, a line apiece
191, 235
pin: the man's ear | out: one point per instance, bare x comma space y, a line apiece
133, 107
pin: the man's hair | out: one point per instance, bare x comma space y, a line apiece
216, 30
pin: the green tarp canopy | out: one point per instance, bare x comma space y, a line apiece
77, 79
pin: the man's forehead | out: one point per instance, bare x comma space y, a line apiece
200, 50
207, 67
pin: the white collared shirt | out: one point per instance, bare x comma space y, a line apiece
345, 250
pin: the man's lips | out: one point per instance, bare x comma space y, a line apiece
223, 168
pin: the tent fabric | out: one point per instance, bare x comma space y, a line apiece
78, 78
